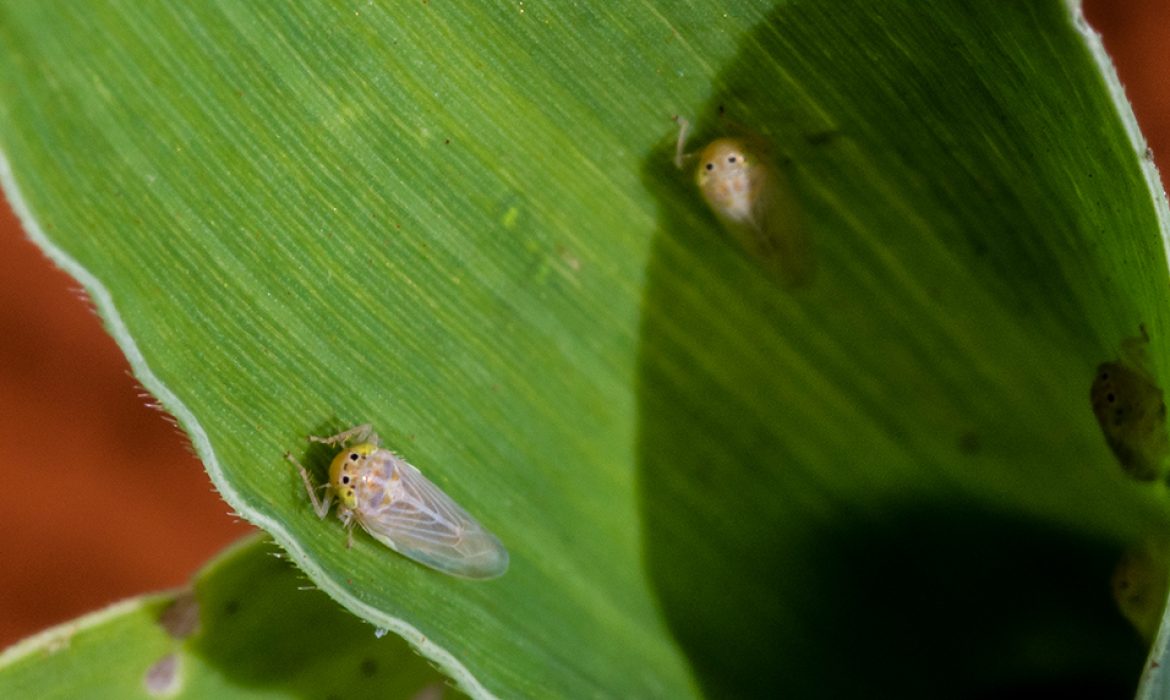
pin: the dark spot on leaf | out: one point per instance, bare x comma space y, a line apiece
181, 618
818, 138
969, 443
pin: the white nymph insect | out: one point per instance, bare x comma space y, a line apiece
402, 509
754, 203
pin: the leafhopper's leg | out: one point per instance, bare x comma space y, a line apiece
347, 521
361, 433
684, 130
320, 505
1135, 355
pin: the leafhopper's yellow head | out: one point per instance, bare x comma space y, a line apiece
345, 470
731, 179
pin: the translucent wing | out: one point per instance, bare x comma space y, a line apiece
781, 238
413, 517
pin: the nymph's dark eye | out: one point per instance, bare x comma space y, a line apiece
731, 159
345, 479
710, 166
353, 456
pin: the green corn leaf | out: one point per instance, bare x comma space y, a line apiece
244, 627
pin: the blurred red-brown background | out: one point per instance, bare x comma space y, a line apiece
67, 400
130, 509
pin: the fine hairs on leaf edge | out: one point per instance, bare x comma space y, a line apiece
1153, 679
